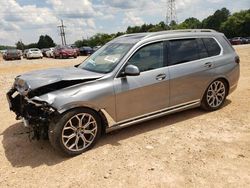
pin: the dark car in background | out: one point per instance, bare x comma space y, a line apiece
64, 52
86, 51
12, 54
95, 48
248, 40
238, 40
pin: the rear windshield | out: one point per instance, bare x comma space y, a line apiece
34, 50
86, 48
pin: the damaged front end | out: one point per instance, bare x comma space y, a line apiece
36, 115
31, 97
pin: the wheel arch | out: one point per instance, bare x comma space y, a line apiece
224, 79
97, 110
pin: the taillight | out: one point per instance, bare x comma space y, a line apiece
237, 59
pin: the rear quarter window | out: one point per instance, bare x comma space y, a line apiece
212, 46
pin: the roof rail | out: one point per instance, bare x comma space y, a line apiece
194, 30
180, 30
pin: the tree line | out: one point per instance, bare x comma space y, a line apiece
232, 25
45, 41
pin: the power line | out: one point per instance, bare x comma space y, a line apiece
171, 12
62, 33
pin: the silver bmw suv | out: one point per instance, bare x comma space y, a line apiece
131, 79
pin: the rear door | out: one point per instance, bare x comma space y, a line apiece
190, 70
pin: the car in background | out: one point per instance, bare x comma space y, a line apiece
77, 50
64, 52
50, 52
44, 50
86, 51
20, 52
25, 53
12, 54
3, 52
95, 48
34, 53
238, 40
248, 40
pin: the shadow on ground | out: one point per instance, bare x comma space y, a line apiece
21, 152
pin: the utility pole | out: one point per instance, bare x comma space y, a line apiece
62, 33
171, 12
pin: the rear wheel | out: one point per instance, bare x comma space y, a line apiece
76, 132
214, 96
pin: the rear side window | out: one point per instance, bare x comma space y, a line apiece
183, 50
212, 46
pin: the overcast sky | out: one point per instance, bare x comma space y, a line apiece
28, 19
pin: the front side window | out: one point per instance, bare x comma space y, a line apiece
106, 58
148, 57
182, 51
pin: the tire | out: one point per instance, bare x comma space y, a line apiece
67, 137
215, 95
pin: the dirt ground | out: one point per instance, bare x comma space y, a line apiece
188, 149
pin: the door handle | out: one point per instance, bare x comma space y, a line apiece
161, 77
208, 65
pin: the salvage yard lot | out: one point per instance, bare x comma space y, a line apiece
188, 149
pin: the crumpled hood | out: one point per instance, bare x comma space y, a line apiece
40, 78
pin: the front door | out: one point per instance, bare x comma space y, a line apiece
148, 92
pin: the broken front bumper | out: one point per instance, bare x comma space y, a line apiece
35, 114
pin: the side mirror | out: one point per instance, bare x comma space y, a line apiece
132, 70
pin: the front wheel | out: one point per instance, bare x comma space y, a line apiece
76, 132
214, 96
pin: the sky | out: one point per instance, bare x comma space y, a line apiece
26, 20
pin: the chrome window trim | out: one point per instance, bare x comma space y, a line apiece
133, 52
168, 39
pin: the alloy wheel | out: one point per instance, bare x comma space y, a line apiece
79, 132
216, 94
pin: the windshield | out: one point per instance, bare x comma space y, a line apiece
106, 58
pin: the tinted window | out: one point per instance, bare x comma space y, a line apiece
148, 57
202, 49
212, 46
181, 51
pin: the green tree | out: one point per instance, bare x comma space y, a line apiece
20, 45
214, 21
237, 25
190, 23
45, 42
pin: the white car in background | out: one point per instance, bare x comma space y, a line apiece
50, 53
34, 53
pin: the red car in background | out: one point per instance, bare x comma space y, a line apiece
64, 52
77, 50
238, 40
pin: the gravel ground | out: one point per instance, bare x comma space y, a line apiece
188, 149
